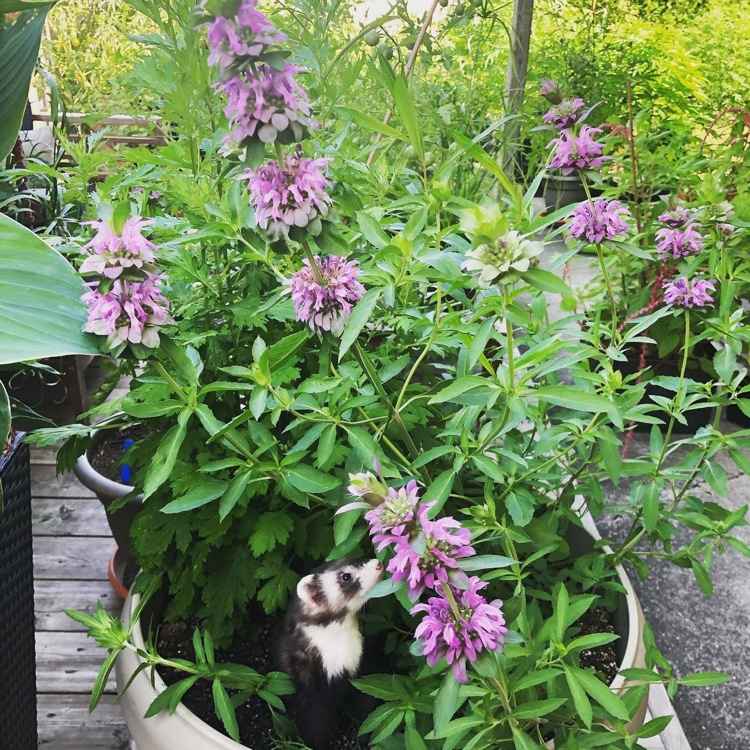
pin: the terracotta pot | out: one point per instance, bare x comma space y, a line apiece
185, 729
120, 521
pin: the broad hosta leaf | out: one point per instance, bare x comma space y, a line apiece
41, 313
19, 47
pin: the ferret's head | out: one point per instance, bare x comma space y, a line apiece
338, 589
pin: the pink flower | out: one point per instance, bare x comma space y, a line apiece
599, 220
676, 218
289, 195
391, 519
445, 542
581, 152
131, 311
565, 114
267, 104
242, 37
679, 242
685, 293
459, 630
550, 90
324, 299
110, 254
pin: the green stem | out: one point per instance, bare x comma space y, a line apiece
509, 342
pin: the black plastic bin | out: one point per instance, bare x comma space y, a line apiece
17, 659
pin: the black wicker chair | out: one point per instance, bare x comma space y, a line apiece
18, 729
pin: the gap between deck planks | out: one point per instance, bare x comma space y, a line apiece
72, 546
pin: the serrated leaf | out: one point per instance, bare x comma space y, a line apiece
271, 529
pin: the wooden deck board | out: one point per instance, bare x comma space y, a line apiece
72, 546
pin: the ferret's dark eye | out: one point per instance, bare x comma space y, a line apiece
346, 577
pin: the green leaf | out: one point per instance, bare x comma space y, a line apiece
382, 686
592, 640
358, 319
165, 457
520, 505
438, 492
41, 313
101, 678
372, 231
201, 494
547, 281
384, 588
654, 727
170, 698
600, 693
532, 709
651, 507
458, 387
225, 709
702, 577
488, 467
271, 529
522, 741
4, 416
704, 679
561, 612
19, 47
308, 479
580, 700
574, 398
234, 493
535, 678
447, 701
372, 123
407, 113
485, 562
479, 342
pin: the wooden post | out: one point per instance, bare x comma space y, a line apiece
515, 83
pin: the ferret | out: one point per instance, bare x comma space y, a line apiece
321, 645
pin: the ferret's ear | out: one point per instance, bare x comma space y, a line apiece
309, 591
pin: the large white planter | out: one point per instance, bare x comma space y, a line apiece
183, 730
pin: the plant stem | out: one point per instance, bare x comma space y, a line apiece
509, 342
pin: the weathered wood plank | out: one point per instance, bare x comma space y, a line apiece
46, 483
46, 456
68, 517
81, 558
51, 598
66, 724
68, 663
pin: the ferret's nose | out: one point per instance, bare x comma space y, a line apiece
379, 565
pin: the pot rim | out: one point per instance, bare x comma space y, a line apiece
98, 483
220, 740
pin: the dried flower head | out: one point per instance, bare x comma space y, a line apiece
689, 294
459, 625
599, 220
550, 90
679, 242
292, 194
507, 254
577, 152
677, 218
324, 297
565, 114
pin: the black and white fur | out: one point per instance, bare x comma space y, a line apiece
321, 645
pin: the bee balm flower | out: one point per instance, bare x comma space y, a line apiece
508, 253
110, 253
599, 220
565, 114
577, 152
324, 299
689, 294
679, 242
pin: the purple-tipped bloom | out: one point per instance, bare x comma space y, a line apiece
677, 217
110, 254
550, 90
460, 634
289, 195
245, 36
599, 220
131, 311
577, 152
679, 242
392, 519
326, 306
689, 294
565, 114
445, 543
265, 103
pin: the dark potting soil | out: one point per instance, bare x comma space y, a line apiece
106, 455
256, 651
602, 658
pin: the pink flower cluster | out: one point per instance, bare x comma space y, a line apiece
679, 242
677, 218
126, 303
599, 220
565, 114
426, 554
550, 90
242, 37
689, 294
324, 296
267, 104
289, 195
577, 152
460, 629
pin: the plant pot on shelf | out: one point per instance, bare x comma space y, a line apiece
184, 728
559, 190
17, 658
123, 567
